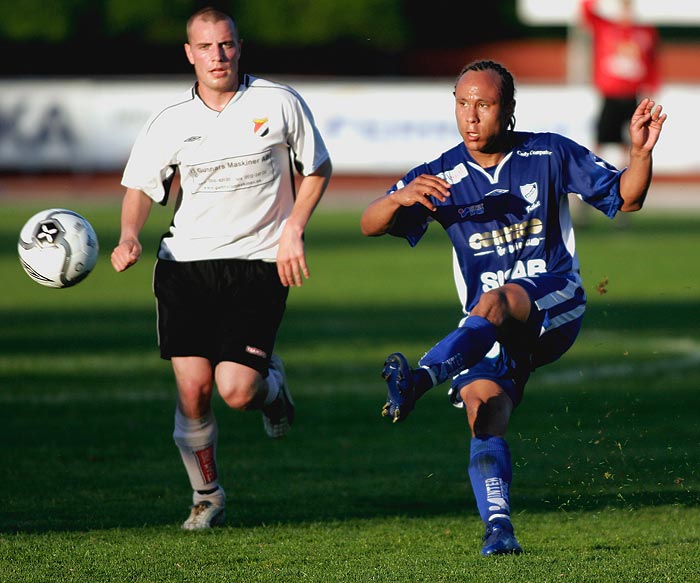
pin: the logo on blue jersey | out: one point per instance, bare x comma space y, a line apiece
530, 193
456, 174
533, 153
517, 236
471, 211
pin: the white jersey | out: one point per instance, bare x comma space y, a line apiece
235, 166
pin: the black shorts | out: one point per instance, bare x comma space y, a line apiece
222, 310
614, 119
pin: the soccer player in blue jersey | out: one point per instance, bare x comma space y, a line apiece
502, 197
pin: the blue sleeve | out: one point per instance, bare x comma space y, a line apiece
412, 222
591, 177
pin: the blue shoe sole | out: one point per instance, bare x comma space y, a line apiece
397, 373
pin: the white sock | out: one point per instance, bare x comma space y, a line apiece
197, 439
217, 497
431, 374
274, 381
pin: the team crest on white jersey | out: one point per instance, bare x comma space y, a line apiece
530, 193
261, 126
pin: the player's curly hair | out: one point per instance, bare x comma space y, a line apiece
507, 84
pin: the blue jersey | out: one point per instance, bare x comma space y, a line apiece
511, 220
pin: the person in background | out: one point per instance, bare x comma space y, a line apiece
235, 245
625, 68
502, 197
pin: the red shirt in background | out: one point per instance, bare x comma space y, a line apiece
625, 61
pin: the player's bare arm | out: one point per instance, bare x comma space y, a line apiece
291, 257
379, 215
136, 207
644, 131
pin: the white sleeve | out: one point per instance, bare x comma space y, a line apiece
308, 148
148, 168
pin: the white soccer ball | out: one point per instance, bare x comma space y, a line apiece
57, 248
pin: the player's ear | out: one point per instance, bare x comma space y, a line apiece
510, 115
188, 52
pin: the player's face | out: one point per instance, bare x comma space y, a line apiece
481, 119
214, 49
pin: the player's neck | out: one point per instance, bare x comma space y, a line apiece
487, 160
216, 100
493, 153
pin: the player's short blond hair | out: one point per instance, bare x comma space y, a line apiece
209, 14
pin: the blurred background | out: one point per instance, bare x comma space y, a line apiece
78, 78
376, 38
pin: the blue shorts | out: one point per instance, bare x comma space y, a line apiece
558, 304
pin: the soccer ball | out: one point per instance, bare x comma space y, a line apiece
57, 248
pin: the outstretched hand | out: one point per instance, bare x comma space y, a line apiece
645, 126
425, 189
420, 189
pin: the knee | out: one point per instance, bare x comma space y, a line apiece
194, 397
241, 387
475, 406
488, 409
492, 305
471, 404
240, 395
509, 302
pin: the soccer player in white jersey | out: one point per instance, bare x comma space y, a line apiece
502, 197
235, 245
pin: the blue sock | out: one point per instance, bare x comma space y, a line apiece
460, 349
490, 473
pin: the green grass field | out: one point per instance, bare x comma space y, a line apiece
606, 445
